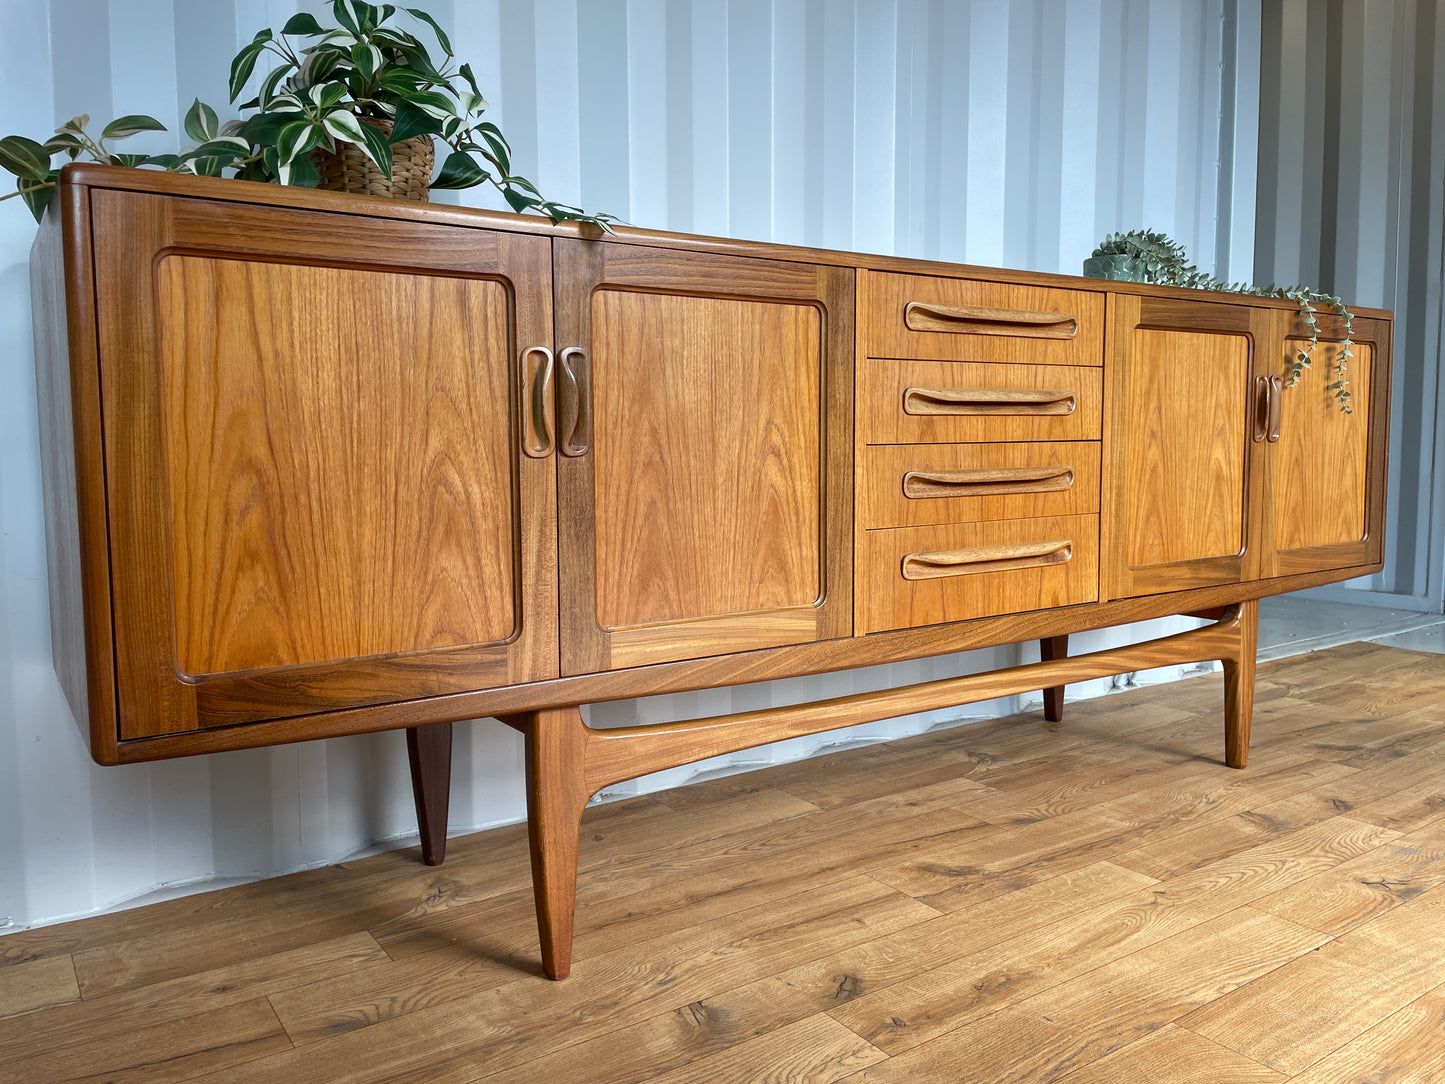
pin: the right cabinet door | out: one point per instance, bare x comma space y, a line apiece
1220, 472
704, 457
1186, 469
1325, 502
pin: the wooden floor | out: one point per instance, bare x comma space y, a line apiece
1094, 901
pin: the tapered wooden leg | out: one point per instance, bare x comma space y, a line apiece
1051, 648
429, 749
1239, 688
556, 794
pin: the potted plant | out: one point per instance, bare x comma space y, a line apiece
1148, 256
352, 107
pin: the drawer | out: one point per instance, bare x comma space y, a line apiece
912, 576
921, 316
912, 485
945, 402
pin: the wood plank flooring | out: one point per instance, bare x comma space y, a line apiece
1094, 901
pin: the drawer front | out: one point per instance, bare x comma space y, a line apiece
913, 402
916, 576
920, 316
913, 485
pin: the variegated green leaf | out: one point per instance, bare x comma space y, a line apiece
433, 102
201, 121
63, 141
24, 157
344, 126
303, 24
460, 170
442, 39
367, 59
341, 39
37, 194
131, 124
466, 73
411, 121
245, 63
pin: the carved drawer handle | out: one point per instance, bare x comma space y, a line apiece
983, 482
536, 405
976, 401
976, 320
1004, 557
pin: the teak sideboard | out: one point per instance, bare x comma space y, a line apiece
318, 465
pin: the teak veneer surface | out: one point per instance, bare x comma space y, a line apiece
294, 448
707, 423
369, 478
1012, 900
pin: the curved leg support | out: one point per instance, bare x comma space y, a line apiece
1239, 687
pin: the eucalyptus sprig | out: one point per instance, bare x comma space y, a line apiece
1166, 263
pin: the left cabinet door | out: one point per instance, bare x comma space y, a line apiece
317, 489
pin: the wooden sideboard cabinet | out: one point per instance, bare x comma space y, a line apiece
318, 465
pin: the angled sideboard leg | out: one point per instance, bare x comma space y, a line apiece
1051, 648
557, 792
1239, 687
429, 750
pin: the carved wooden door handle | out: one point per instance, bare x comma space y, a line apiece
976, 401
575, 395
1276, 397
536, 404
1267, 392
977, 320
986, 481
1004, 557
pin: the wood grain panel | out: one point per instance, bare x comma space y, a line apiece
1320, 479
158, 456
884, 416
889, 601
713, 510
991, 481
1186, 464
970, 320
337, 462
707, 456
68, 397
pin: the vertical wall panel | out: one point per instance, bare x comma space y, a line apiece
1349, 198
997, 132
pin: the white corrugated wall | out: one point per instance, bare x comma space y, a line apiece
998, 132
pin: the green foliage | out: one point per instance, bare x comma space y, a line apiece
1166, 263
316, 95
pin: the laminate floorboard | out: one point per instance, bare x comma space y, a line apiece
1014, 900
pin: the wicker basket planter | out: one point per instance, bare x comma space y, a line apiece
349, 170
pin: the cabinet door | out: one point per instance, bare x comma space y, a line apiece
1326, 499
704, 456
1184, 463
316, 489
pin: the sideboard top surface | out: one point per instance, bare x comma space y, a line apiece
92, 175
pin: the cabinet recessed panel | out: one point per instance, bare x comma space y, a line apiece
707, 468
336, 455
1320, 491
1185, 480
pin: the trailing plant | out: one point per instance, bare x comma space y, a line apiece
348, 84
1165, 262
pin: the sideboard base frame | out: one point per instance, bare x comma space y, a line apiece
568, 761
